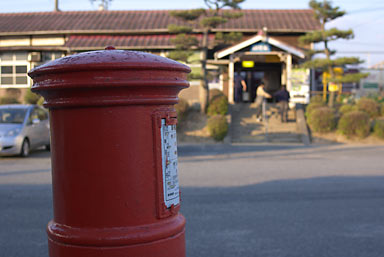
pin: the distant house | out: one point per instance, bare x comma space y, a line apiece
268, 50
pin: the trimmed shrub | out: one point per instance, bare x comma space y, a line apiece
382, 109
377, 97
8, 100
322, 120
217, 127
311, 107
378, 129
219, 105
214, 93
368, 106
31, 98
181, 108
355, 123
347, 108
317, 99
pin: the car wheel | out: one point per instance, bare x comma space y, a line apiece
48, 147
25, 148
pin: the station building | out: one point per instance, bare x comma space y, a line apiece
268, 50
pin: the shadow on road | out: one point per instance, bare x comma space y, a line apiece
25, 212
39, 153
187, 150
327, 216
217, 151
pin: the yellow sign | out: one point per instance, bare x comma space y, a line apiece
333, 87
338, 73
248, 64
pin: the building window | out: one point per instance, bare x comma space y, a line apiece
50, 56
13, 69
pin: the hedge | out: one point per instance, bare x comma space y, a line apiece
322, 119
378, 129
355, 123
181, 108
217, 127
218, 105
369, 106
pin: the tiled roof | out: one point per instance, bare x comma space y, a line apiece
97, 41
146, 21
123, 41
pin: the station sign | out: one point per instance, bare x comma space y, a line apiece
261, 47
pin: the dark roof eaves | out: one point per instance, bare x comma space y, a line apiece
72, 32
149, 31
269, 30
83, 48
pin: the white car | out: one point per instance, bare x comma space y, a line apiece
23, 128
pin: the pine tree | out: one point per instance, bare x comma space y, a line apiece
324, 13
202, 20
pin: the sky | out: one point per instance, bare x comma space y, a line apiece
366, 18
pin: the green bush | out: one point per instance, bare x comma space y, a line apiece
378, 129
317, 99
214, 93
219, 105
322, 119
348, 99
181, 108
313, 106
382, 109
8, 100
217, 127
377, 97
368, 106
347, 108
31, 98
355, 123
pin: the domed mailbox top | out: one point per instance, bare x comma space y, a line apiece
109, 77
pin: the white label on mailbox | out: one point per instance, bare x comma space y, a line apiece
169, 163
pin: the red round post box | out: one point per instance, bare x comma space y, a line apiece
114, 154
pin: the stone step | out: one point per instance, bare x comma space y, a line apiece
246, 128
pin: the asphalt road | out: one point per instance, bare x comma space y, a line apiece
239, 200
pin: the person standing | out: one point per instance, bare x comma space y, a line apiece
240, 86
260, 95
282, 97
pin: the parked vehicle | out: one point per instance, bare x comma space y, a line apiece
22, 129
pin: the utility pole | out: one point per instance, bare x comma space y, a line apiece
56, 6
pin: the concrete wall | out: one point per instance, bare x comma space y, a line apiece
32, 41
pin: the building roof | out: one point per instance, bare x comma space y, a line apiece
159, 41
113, 22
260, 38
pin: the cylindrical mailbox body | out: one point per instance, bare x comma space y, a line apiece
114, 154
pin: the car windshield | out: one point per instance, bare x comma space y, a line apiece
15, 116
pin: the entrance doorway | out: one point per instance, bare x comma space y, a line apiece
269, 73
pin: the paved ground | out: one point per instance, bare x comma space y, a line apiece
246, 128
239, 200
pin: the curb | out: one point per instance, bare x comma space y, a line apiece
302, 128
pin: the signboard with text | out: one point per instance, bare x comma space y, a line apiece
300, 86
261, 47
